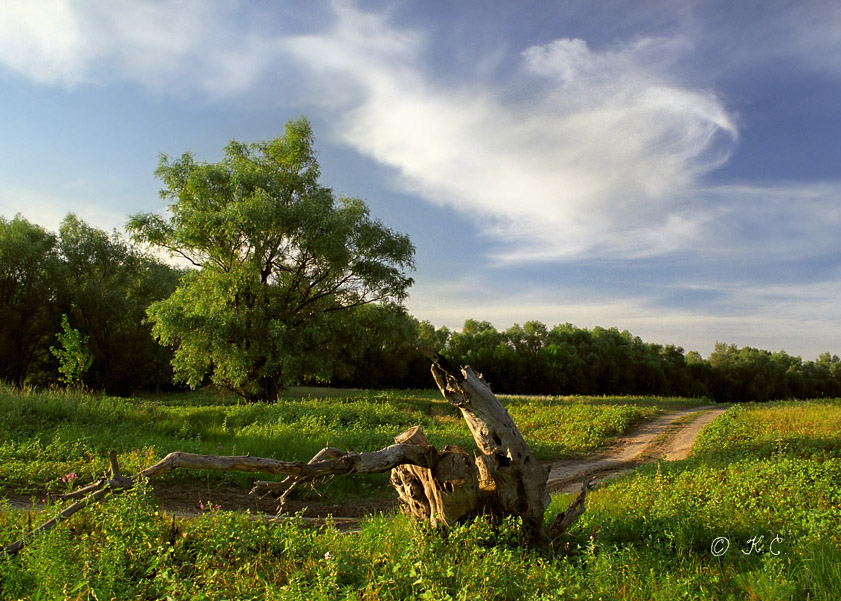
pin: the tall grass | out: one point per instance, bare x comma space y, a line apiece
764, 484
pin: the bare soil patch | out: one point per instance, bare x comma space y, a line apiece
668, 437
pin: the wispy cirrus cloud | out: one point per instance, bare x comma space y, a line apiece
595, 161
175, 48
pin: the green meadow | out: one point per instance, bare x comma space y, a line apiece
48, 434
755, 513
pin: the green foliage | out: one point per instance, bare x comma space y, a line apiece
108, 287
769, 470
74, 356
29, 276
49, 434
374, 346
262, 312
535, 359
750, 374
277, 254
571, 427
798, 429
100, 283
564, 359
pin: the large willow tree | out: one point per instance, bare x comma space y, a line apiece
275, 253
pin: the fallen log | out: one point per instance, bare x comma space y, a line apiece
501, 478
373, 462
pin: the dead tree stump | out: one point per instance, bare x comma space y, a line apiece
503, 478
445, 491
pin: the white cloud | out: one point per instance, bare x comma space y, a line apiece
596, 162
582, 152
43, 40
181, 47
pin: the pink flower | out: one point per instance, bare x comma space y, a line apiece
209, 506
67, 478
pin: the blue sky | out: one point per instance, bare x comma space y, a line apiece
669, 168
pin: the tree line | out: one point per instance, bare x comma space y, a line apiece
288, 284
93, 283
103, 286
567, 360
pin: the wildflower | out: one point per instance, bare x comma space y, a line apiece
328, 556
68, 478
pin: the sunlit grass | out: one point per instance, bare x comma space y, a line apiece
50, 433
763, 470
764, 479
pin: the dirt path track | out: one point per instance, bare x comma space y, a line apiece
668, 437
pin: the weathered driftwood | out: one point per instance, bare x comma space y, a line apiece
445, 487
445, 490
511, 480
349, 463
288, 484
566, 518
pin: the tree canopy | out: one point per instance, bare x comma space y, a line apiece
275, 253
29, 279
109, 285
84, 281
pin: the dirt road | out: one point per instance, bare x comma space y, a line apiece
668, 437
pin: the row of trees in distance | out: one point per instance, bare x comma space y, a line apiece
104, 286
289, 283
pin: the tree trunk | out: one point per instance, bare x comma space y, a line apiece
503, 478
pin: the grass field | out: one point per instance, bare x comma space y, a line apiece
47, 435
680, 530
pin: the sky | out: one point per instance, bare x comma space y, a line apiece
668, 168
